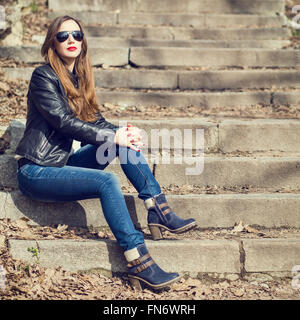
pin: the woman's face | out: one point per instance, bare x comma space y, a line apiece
69, 49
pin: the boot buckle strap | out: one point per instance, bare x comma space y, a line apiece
161, 205
133, 263
138, 261
149, 203
144, 266
166, 211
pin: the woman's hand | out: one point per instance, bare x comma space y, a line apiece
129, 137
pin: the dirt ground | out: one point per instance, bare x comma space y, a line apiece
21, 281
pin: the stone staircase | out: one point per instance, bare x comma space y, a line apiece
208, 54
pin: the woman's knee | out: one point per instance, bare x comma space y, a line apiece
109, 184
111, 179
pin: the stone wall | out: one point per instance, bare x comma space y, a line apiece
12, 34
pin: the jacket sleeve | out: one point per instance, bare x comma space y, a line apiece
102, 123
54, 107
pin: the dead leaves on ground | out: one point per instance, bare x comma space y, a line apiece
241, 227
20, 229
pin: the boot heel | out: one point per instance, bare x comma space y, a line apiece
155, 232
135, 284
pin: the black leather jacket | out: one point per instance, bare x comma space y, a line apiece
51, 125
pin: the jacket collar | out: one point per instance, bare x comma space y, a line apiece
73, 75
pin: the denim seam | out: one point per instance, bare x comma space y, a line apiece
120, 213
143, 176
48, 177
149, 188
153, 196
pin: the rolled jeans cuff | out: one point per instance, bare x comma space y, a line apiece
131, 254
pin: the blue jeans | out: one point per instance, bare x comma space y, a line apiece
83, 178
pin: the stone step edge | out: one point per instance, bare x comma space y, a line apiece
211, 211
128, 26
203, 19
231, 171
139, 42
199, 91
256, 7
188, 71
215, 134
219, 258
187, 81
198, 120
186, 28
183, 33
175, 159
207, 100
170, 57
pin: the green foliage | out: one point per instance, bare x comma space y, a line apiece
35, 254
295, 32
34, 7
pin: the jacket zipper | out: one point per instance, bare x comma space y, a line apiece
47, 139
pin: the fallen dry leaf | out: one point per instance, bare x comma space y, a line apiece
239, 227
238, 292
4, 86
62, 227
22, 222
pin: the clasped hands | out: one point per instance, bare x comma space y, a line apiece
129, 136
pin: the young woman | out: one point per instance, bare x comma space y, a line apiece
62, 106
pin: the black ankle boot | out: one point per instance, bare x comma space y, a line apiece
143, 269
161, 217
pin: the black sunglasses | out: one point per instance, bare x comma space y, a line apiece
64, 35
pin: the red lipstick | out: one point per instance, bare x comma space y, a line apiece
72, 48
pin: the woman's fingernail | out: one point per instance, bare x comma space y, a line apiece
126, 129
138, 150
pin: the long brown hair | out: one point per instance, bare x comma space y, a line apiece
83, 101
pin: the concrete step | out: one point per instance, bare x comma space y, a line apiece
258, 172
220, 136
266, 210
209, 20
31, 54
180, 33
181, 79
267, 7
285, 98
223, 258
206, 100
169, 130
115, 42
188, 57
261, 172
212, 256
8, 173
173, 57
